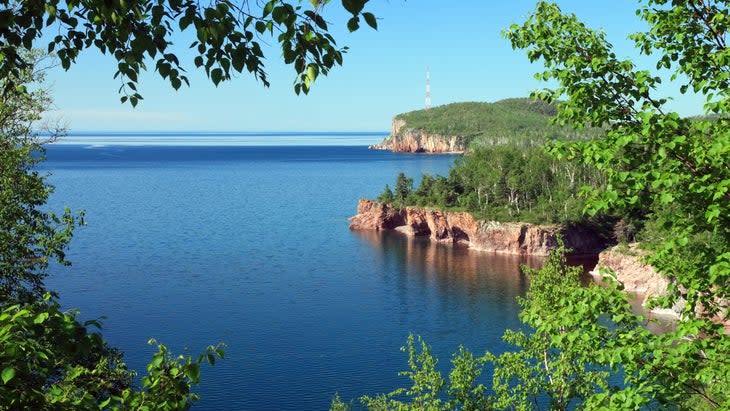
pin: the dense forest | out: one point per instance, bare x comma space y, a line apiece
504, 183
519, 122
507, 174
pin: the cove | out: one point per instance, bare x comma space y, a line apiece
249, 245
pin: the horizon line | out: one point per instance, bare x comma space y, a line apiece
217, 132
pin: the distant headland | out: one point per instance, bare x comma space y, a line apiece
459, 127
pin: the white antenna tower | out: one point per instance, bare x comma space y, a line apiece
428, 88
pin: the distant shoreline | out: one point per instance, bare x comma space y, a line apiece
195, 133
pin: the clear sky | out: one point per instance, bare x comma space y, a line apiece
383, 73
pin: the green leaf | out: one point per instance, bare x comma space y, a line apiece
666, 198
216, 75
353, 24
370, 20
40, 318
354, 6
260, 26
193, 373
312, 72
269, 7
279, 14
8, 374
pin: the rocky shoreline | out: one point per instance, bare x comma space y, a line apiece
637, 277
462, 228
519, 239
642, 280
413, 140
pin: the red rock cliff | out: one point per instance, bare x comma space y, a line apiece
642, 279
456, 227
636, 277
413, 140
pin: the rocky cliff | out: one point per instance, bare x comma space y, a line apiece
642, 279
521, 239
412, 140
637, 278
456, 227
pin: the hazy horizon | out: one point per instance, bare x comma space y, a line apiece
383, 74
221, 138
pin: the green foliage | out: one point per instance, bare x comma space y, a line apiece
555, 362
464, 390
505, 183
516, 122
403, 188
339, 405
139, 34
387, 195
652, 158
30, 236
584, 339
429, 390
167, 385
49, 360
584, 348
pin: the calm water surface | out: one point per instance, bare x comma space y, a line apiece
249, 245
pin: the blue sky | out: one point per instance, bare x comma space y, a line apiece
383, 73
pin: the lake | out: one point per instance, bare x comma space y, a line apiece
195, 242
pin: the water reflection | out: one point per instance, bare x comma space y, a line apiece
460, 273
478, 284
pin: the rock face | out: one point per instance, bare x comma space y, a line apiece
643, 280
456, 227
521, 239
637, 277
411, 140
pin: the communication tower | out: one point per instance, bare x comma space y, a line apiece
428, 88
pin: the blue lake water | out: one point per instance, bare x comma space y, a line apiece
249, 245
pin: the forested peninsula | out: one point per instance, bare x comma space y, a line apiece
464, 126
510, 193
507, 173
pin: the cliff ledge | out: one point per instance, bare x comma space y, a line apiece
459, 227
413, 140
637, 277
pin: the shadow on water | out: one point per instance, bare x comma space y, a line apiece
456, 267
481, 286
485, 284
450, 265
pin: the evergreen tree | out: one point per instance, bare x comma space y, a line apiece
403, 188
387, 195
